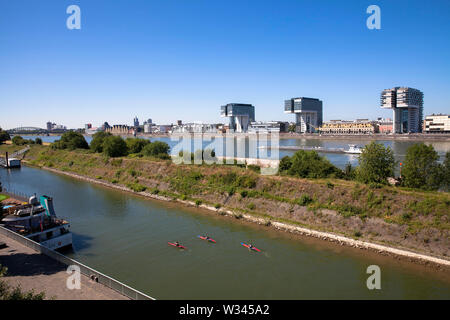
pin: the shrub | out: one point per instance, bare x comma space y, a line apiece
243, 193
4, 136
97, 141
136, 187
38, 141
330, 185
19, 141
285, 164
198, 202
156, 148
135, 145
254, 168
357, 234
217, 206
304, 200
70, 140
251, 206
114, 146
308, 164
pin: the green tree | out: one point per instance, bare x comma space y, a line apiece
156, 149
135, 145
376, 163
97, 141
285, 164
308, 164
421, 168
4, 136
18, 140
70, 140
38, 141
114, 146
446, 172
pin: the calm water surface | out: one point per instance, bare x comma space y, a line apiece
126, 237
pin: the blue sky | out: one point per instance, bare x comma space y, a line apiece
183, 59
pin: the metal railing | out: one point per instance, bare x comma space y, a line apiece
87, 271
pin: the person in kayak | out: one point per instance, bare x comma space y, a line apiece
177, 243
250, 246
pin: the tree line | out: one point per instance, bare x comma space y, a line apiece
421, 168
113, 146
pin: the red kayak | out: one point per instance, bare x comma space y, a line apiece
248, 246
207, 239
176, 246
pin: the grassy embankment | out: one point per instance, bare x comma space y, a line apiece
394, 216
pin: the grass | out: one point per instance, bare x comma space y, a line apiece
3, 197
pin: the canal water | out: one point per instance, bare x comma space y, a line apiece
339, 160
125, 236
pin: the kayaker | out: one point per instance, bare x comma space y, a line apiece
177, 243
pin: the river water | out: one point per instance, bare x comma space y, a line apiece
125, 236
338, 159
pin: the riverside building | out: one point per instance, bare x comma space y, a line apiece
359, 126
407, 108
241, 115
308, 113
437, 123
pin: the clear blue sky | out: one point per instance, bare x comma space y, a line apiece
169, 60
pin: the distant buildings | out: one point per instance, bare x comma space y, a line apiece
51, 126
437, 123
407, 106
136, 122
121, 129
268, 127
308, 112
359, 126
240, 116
195, 128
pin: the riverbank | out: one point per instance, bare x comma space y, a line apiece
34, 271
336, 210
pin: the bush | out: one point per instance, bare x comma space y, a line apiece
251, 206
421, 168
304, 200
136, 187
135, 145
114, 146
70, 140
198, 202
156, 149
308, 164
285, 164
19, 141
4, 136
9, 293
97, 141
254, 168
217, 206
376, 163
38, 141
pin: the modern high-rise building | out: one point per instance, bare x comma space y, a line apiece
407, 107
308, 113
240, 115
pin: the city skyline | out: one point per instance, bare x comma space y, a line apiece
260, 55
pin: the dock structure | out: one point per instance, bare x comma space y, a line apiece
11, 161
36, 267
318, 149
